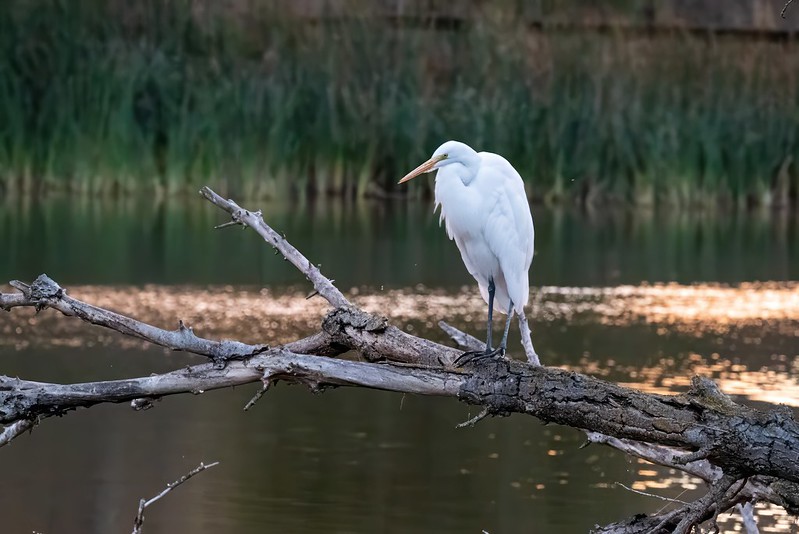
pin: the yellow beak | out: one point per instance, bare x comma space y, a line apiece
427, 166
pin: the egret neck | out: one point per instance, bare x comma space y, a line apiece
465, 166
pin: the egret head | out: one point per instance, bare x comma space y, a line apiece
448, 153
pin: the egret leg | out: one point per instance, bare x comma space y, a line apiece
527, 343
491, 288
500, 351
504, 344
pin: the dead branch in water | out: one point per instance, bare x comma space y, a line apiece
785, 8
138, 521
743, 454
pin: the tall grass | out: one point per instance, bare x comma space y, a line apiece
115, 96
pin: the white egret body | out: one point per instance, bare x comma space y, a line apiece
485, 210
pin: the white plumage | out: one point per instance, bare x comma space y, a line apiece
485, 210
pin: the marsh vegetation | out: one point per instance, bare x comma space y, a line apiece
108, 97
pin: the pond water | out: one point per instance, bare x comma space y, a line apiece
643, 298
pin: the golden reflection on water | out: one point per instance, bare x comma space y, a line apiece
257, 314
699, 308
250, 313
775, 383
744, 315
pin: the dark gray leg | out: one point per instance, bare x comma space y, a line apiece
474, 356
491, 288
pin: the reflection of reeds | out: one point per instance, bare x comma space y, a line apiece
106, 97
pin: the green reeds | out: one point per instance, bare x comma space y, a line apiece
115, 97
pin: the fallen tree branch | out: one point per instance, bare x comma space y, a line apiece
138, 521
701, 430
23, 399
739, 438
44, 292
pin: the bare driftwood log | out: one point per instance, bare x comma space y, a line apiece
744, 455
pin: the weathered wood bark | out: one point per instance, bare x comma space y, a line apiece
744, 454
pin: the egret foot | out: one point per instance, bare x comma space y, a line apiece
477, 355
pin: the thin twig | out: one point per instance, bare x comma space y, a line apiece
15, 429
784, 8
474, 420
139, 519
315, 292
258, 395
230, 223
639, 492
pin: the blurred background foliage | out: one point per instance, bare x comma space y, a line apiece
625, 103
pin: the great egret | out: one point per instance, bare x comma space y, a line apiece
485, 209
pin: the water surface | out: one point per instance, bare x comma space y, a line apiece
141, 240
645, 299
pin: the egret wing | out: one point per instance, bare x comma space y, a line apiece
509, 233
